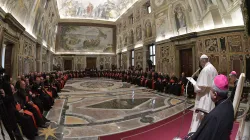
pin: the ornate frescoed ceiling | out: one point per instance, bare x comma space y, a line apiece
93, 9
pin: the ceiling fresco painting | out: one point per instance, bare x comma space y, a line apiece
93, 9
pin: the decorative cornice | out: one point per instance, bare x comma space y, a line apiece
221, 30
194, 35
88, 55
30, 36
83, 53
11, 37
2, 13
9, 19
184, 37
87, 21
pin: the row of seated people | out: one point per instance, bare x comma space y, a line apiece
150, 79
32, 95
156, 81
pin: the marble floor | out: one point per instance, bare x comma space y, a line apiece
93, 107
89, 108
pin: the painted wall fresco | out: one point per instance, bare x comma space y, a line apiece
165, 58
180, 18
227, 52
124, 61
139, 58
85, 39
161, 21
170, 18
94, 9
39, 17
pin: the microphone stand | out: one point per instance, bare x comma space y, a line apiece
184, 110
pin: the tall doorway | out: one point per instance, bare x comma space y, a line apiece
186, 62
38, 56
7, 54
91, 62
67, 64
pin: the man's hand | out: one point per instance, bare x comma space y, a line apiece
197, 89
200, 116
30, 102
2, 92
21, 111
33, 95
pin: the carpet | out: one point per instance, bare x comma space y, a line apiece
163, 130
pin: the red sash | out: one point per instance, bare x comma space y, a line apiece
49, 93
35, 106
31, 114
18, 108
38, 110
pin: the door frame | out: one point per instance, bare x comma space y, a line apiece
181, 70
95, 61
68, 58
9, 39
178, 48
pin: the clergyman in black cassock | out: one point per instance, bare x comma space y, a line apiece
217, 124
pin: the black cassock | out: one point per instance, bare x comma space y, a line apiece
218, 124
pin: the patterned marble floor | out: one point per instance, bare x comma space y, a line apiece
89, 108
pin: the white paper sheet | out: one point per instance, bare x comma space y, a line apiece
191, 80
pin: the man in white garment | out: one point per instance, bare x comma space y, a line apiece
202, 88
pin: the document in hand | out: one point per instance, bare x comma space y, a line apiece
191, 80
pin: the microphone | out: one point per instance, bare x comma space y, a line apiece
185, 104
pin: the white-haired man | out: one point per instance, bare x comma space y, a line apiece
202, 89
